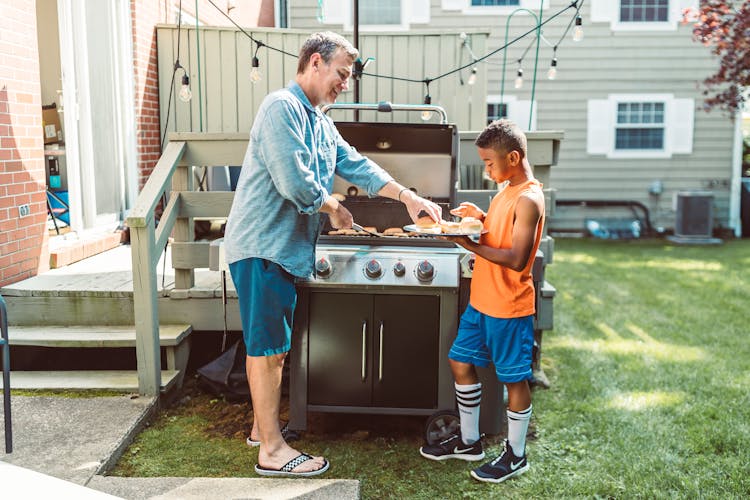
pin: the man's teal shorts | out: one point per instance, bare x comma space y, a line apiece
267, 298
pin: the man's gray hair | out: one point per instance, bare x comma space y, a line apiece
324, 43
503, 136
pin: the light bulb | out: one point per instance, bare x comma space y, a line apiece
552, 72
578, 30
472, 77
255, 72
185, 93
519, 79
426, 114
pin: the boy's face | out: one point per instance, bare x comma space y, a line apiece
498, 165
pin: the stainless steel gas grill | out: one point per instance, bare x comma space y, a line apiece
373, 328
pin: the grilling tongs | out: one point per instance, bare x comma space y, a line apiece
357, 227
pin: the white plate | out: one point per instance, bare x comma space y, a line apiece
412, 228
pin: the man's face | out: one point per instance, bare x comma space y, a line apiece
496, 164
332, 78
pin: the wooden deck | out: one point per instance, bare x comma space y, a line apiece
99, 290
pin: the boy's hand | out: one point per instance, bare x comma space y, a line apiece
466, 209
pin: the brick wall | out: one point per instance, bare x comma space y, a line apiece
146, 14
23, 240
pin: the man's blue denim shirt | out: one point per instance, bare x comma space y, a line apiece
287, 174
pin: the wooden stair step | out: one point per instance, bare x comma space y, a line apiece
115, 380
91, 336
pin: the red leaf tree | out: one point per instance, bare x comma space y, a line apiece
725, 27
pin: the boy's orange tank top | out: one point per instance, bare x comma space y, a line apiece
496, 290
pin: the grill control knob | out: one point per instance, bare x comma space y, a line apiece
425, 271
373, 269
323, 267
399, 269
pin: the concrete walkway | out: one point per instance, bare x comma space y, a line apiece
76, 439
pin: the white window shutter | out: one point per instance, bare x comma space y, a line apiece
419, 11
599, 130
454, 4
681, 118
334, 11
518, 113
604, 11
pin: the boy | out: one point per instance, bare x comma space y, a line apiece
497, 325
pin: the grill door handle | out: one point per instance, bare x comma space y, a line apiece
380, 355
364, 351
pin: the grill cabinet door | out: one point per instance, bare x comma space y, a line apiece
405, 355
338, 324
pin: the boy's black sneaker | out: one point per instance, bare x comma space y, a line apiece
453, 447
503, 467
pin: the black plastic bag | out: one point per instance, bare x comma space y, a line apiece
225, 376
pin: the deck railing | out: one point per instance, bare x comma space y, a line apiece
173, 177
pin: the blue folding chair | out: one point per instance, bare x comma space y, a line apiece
6, 376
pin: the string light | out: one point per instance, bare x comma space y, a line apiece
551, 74
518, 83
472, 77
185, 93
427, 115
552, 71
255, 75
578, 29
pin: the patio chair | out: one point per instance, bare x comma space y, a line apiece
6, 376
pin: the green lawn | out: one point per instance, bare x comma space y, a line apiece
650, 369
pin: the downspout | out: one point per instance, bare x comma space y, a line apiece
735, 187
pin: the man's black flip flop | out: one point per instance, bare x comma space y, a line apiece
286, 470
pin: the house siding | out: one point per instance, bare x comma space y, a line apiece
605, 62
22, 177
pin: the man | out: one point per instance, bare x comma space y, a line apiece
497, 325
285, 183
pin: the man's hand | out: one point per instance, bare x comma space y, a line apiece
466, 209
341, 218
416, 205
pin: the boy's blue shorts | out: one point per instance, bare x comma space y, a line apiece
508, 343
267, 299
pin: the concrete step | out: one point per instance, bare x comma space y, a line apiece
91, 336
115, 380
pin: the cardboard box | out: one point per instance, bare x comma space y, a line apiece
51, 124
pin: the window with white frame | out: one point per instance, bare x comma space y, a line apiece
380, 12
513, 109
495, 111
639, 15
376, 15
644, 11
640, 126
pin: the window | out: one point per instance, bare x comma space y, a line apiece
493, 3
375, 15
380, 12
495, 111
640, 125
630, 126
644, 11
